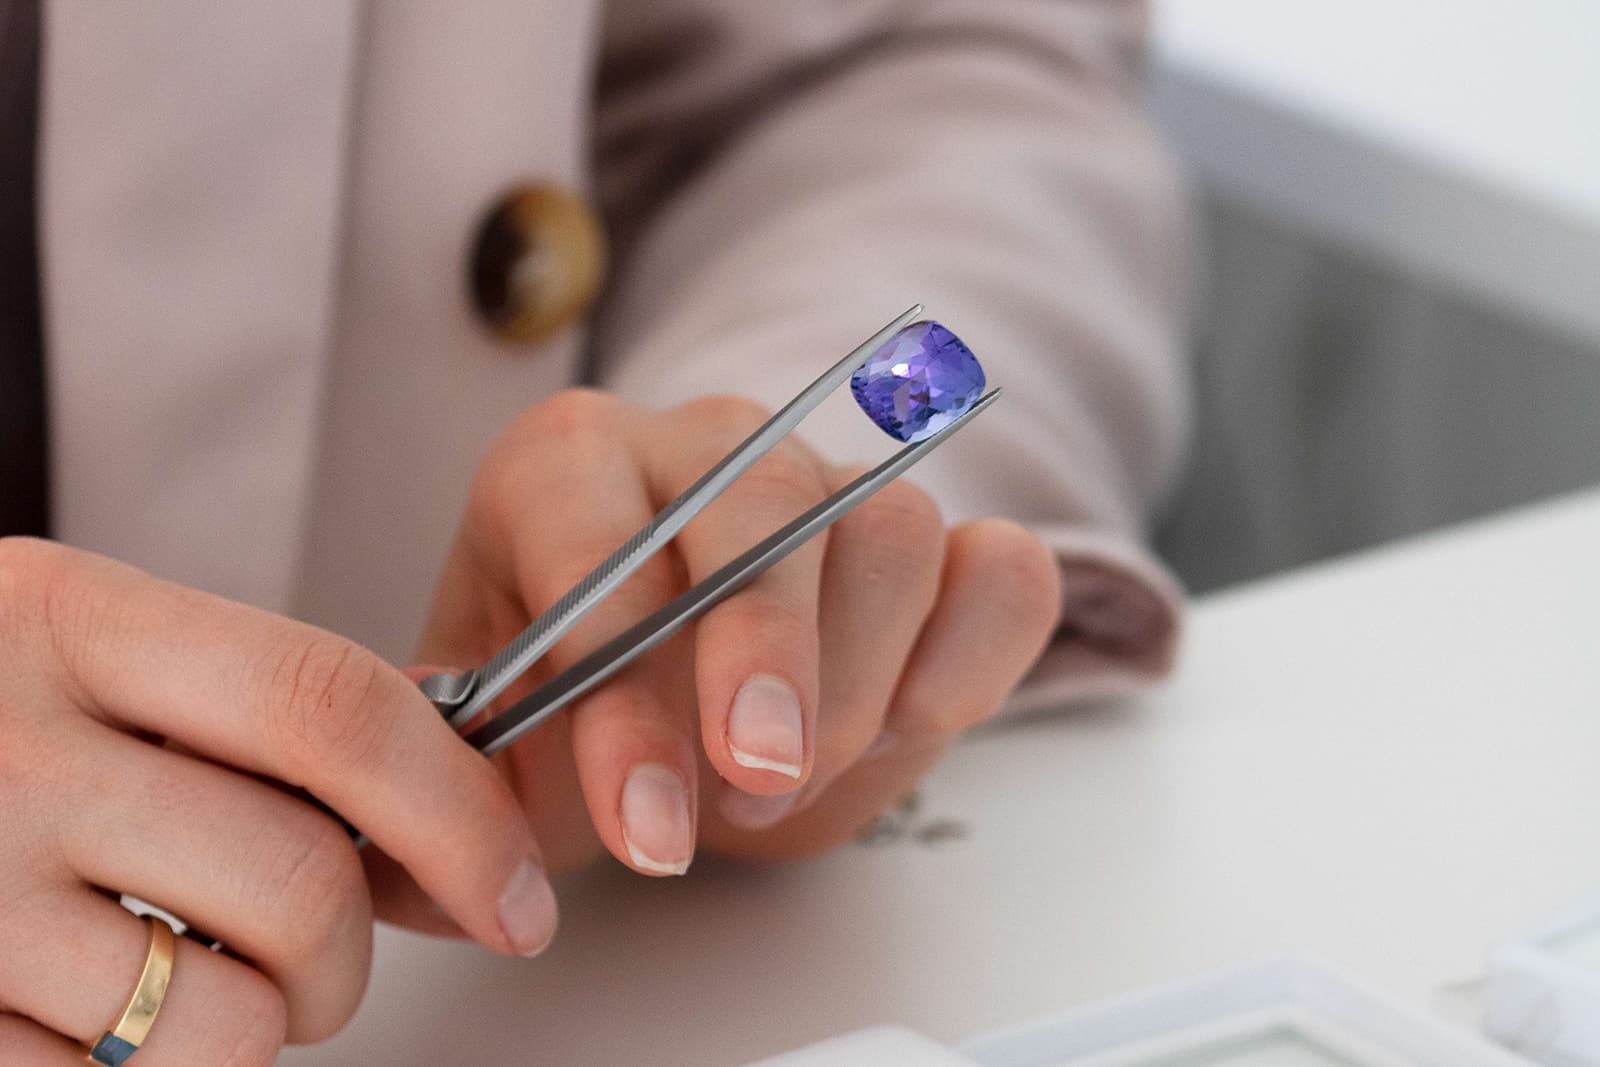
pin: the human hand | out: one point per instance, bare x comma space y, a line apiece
141, 728
794, 711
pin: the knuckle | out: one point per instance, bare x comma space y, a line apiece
726, 414
21, 556
29, 570
888, 551
655, 583
20, 559
897, 527
905, 514
320, 703
312, 877
51, 608
783, 474
1022, 572
492, 803
569, 417
243, 1022
569, 414
766, 622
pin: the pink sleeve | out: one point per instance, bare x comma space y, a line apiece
1121, 617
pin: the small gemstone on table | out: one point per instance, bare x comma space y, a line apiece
919, 382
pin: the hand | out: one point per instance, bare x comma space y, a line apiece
141, 726
793, 712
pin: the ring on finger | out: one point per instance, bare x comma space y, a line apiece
114, 1047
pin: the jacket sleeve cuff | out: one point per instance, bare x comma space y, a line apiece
1121, 622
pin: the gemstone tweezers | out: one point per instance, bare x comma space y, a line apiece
460, 697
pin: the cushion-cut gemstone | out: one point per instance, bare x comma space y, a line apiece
919, 382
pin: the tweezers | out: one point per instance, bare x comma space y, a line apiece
461, 697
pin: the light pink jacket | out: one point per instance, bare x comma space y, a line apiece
267, 378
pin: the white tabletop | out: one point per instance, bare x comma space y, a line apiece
1456, 137
1384, 763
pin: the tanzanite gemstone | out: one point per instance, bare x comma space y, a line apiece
918, 383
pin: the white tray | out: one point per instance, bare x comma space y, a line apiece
1282, 1014
1543, 993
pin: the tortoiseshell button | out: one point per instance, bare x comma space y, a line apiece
537, 263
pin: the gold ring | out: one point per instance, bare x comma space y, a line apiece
121, 1041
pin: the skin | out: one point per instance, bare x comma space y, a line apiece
148, 732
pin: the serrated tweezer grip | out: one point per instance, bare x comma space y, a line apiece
462, 696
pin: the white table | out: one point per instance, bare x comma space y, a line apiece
1384, 763
1457, 138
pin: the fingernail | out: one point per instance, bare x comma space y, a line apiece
765, 728
528, 909
655, 820
751, 812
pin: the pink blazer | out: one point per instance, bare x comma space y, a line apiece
267, 378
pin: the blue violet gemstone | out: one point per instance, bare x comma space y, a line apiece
919, 382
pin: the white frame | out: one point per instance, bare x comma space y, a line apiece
1541, 1003
1318, 1004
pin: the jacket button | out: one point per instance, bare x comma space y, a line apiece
537, 263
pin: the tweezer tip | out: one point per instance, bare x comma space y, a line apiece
985, 400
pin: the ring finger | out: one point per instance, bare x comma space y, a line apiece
82, 955
279, 882
32, 1044
879, 582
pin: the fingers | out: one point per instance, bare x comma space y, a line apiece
28, 1044
756, 653
998, 603
73, 958
283, 699
637, 761
278, 881
879, 583
853, 798
633, 739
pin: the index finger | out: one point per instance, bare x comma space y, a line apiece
285, 699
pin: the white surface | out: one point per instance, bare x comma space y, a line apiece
1384, 763
1287, 1013
1580, 947
1457, 137
883, 1046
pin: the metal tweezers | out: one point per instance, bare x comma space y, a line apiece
461, 697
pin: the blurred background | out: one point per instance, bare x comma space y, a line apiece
1398, 323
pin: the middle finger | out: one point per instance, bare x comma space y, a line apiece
756, 653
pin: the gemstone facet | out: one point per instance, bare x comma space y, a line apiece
920, 381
